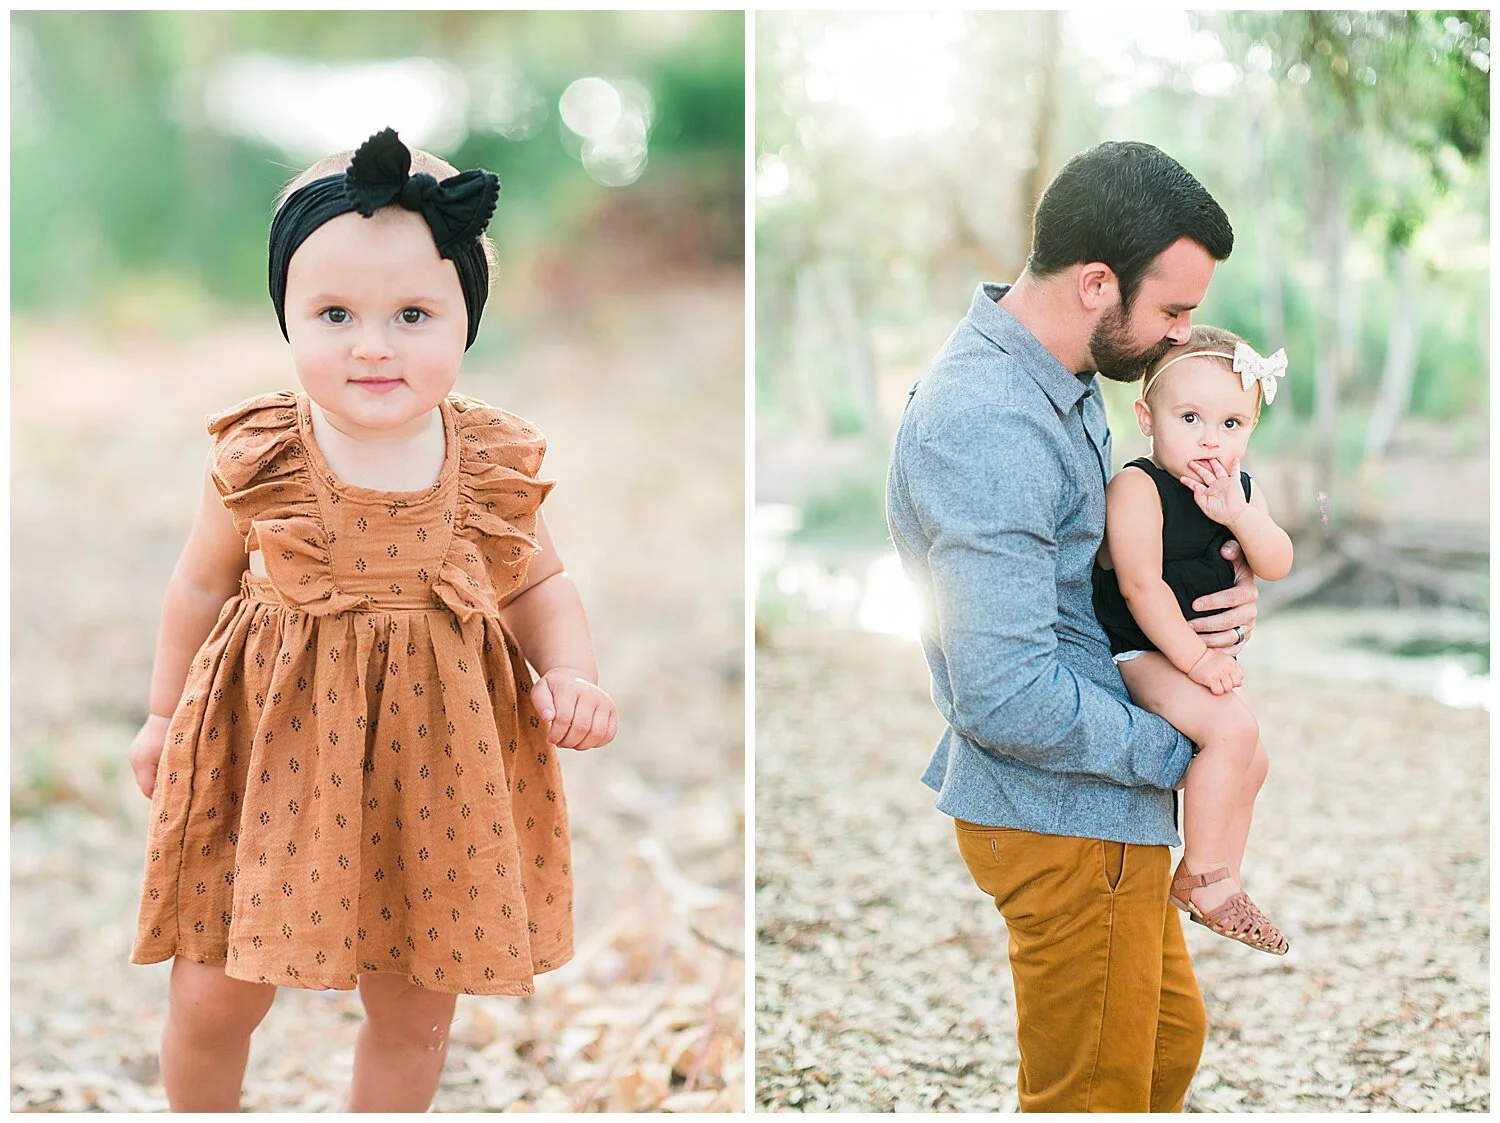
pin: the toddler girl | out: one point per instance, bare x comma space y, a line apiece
354, 778
1167, 517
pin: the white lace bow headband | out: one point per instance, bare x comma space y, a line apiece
1251, 368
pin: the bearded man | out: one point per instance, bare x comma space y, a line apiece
1062, 792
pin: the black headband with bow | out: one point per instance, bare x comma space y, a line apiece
456, 210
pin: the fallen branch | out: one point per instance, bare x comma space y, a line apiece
1304, 581
643, 1033
691, 1079
1463, 590
713, 943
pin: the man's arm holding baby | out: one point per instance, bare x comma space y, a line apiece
986, 487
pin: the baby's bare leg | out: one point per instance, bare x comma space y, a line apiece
399, 1055
206, 1040
1244, 808
1226, 731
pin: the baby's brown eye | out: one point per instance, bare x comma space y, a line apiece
336, 315
412, 315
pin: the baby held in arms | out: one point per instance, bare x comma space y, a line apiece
1167, 517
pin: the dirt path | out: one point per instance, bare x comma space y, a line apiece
642, 399
882, 982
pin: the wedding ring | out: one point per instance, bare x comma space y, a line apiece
1239, 631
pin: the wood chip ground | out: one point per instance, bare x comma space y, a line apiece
881, 974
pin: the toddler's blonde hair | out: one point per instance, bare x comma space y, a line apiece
421, 161
1209, 341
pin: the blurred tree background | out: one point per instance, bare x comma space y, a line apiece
898, 160
148, 146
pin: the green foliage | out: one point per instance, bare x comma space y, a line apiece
847, 513
1408, 91
1421, 77
1475, 652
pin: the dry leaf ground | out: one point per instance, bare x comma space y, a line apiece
882, 982
641, 393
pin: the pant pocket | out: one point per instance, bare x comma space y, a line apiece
977, 845
1112, 863
977, 842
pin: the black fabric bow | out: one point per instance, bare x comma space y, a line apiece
456, 210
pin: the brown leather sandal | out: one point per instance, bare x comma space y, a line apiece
1238, 918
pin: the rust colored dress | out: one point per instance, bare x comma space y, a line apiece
355, 779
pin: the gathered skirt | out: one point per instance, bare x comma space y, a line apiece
358, 791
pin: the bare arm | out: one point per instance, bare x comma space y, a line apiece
206, 575
546, 616
1268, 548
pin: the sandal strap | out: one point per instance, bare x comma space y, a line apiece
1198, 880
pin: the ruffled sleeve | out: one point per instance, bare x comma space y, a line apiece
260, 467
500, 455
259, 462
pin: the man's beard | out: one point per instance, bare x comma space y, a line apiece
1114, 358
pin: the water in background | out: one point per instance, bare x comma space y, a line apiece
1440, 653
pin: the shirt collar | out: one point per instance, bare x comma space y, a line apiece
992, 321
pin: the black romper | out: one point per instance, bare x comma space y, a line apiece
1190, 561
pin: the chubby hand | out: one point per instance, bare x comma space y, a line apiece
1218, 490
145, 752
1219, 672
582, 715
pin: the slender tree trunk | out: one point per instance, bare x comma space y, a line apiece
1272, 297
1350, 309
808, 352
775, 348
1329, 362
832, 368
856, 362
1400, 357
967, 252
1043, 122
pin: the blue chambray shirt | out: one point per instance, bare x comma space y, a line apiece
995, 502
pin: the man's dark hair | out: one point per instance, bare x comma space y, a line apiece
1123, 202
